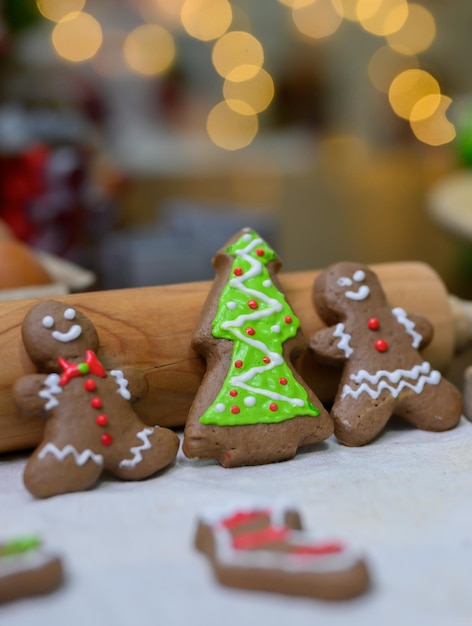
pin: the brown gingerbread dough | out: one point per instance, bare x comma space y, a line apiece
91, 425
383, 370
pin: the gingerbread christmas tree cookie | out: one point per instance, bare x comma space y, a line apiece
379, 347
91, 423
252, 406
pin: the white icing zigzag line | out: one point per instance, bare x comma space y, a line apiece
80, 458
122, 383
52, 388
136, 450
421, 373
233, 326
345, 338
402, 319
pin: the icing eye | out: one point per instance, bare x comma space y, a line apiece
69, 314
359, 276
47, 321
344, 281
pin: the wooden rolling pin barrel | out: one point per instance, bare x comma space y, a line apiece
151, 328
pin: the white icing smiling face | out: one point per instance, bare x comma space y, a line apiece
54, 329
71, 334
360, 291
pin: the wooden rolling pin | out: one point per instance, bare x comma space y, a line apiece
151, 328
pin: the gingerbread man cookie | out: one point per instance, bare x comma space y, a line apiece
383, 373
252, 406
265, 548
91, 424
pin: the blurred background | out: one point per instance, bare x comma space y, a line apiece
136, 136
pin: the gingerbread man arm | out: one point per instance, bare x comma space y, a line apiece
132, 383
420, 328
36, 394
331, 344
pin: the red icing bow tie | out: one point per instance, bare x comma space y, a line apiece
91, 365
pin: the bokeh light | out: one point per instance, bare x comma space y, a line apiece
436, 129
318, 19
385, 64
57, 10
77, 39
408, 88
149, 49
250, 96
417, 34
231, 130
206, 19
237, 51
382, 17
296, 3
347, 9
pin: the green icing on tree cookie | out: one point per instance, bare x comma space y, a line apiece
19, 545
253, 314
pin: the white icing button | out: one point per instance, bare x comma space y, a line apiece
220, 408
267, 283
47, 321
231, 306
275, 328
69, 314
247, 237
359, 276
344, 281
250, 401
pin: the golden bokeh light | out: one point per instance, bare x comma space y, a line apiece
408, 88
57, 10
77, 39
319, 19
436, 129
382, 17
425, 107
347, 9
296, 3
250, 96
385, 64
417, 34
149, 49
231, 130
206, 19
237, 51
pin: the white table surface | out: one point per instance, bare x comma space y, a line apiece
405, 500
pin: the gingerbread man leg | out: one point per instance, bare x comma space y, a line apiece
354, 427
144, 452
437, 408
79, 469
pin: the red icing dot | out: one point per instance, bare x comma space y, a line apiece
96, 403
273, 406
90, 385
373, 324
266, 359
252, 304
381, 345
238, 271
106, 439
260, 252
235, 409
250, 331
287, 319
238, 364
283, 381
233, 393
101, 420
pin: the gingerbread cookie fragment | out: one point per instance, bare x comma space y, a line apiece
91, 425
252, 406
265, 549
27, 569
383, 370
